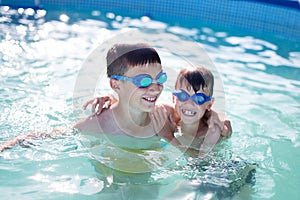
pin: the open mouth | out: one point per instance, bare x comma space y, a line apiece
188, 113
150, 99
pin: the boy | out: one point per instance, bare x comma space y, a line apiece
200, 126
136, 75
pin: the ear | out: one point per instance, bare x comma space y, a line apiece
210, 103
114, 84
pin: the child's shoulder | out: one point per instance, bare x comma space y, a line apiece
105, 113
93, 120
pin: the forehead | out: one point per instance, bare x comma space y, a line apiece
182, 83
152, 69
185, 85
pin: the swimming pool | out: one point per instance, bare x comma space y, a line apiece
42, 53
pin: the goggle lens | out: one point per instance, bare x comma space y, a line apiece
198, 98
161, 78
143, 80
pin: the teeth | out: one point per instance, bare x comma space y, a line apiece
151, 99
188, 112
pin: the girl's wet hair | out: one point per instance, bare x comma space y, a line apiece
121, 57
196, 78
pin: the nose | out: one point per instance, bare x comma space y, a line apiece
191, 101
155, 87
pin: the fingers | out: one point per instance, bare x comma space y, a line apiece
214, 121
87, 103
94, 104
212, 125
12, 142
215, 118
227, 129
103, 102
154, 122
158, 118
98, 104
227, 123
162, 114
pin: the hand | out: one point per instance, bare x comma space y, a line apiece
12, 142
16, 140
225, 126
19, 139
227, 129
159, 117
214, 120
164, 124
213, 134
99, 103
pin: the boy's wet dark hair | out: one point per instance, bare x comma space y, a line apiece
121, 57
196, 78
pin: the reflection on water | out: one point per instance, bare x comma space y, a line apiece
41, 53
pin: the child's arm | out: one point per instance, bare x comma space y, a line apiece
9, 144
165, 122
213, 134
88, 124
21, 138
223, 122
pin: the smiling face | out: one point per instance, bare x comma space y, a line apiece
192, 81
124, 63
189, 111
140, 99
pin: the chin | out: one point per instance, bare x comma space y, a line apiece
148, 108
189, 120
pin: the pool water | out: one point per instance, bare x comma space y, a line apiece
41, 55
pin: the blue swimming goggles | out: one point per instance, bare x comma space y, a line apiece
143, 80
198, 98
